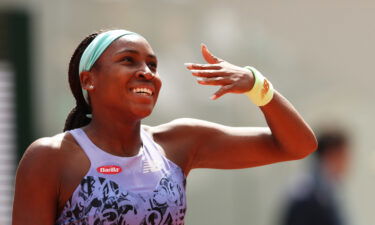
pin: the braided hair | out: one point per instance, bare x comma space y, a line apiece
77, 117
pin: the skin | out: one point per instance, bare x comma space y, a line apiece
53, 167
336, 162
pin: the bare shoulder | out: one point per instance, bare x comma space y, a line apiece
184, 126
180, 138
39, 180
191, 133
41, 149
46, 152
48, 147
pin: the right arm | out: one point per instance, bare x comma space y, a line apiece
37, 185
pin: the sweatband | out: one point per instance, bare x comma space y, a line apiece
262, 92
96, 48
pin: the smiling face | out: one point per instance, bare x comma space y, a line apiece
125, 79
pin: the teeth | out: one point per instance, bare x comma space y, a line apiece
142, 91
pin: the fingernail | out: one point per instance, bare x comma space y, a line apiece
200, 79
213, 97
188, 65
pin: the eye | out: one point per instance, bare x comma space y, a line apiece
127, 59
152, 65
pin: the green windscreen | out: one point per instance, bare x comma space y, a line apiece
15, 105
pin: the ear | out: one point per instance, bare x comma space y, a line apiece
87, 80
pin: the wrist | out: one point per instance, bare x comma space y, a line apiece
252, 78
262, 90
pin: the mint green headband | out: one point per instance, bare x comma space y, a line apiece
96, 48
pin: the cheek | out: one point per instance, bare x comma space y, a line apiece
158, 83
115, 78
112, 87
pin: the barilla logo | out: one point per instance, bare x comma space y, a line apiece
109, 169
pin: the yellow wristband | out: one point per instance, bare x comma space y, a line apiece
262, 92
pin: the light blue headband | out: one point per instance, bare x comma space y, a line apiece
96, 48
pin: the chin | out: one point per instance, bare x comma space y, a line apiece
143, 112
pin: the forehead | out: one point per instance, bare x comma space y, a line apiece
130, 42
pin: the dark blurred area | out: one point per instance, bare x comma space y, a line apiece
314, 199
15, 51
15, 100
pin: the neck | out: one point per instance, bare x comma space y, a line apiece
117, 138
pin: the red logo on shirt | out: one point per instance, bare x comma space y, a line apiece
109, 169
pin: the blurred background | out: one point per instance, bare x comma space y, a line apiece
319, 54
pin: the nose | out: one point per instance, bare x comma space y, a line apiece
145, 74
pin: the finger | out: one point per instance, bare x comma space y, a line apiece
223, 90
208, 73
222, 81
192, 66
208, 56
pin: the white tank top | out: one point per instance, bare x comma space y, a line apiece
143, 189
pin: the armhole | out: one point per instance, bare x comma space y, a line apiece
80, 139
76, 186
160, 150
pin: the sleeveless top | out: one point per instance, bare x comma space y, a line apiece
140, 190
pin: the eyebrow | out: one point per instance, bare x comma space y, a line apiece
134, 52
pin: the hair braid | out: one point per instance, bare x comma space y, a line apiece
77, 117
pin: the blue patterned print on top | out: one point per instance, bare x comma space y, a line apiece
149, 190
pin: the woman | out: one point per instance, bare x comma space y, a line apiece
107, 168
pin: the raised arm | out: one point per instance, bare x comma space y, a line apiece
36, 189
202, 144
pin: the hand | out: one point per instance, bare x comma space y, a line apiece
231, 78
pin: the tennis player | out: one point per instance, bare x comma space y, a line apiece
109, 168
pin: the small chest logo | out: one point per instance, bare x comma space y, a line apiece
112, 169
151, 166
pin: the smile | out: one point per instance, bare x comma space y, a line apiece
142, 91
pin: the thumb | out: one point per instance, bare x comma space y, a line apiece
222, 91
208, 56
